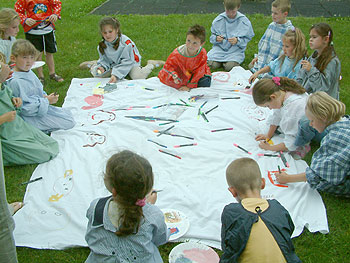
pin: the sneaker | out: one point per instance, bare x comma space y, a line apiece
86, 64
156, 63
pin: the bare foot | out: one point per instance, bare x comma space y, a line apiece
14, 207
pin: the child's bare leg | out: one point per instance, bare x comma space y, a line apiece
51, 65
40, 69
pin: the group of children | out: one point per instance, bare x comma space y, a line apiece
125, 225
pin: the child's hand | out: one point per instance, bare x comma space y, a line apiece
53, 98
282, 177
30, 21
17, 102
305, 65
253, 77
8, 116
152, 197
175, 78
261, 137
254, 60
219, 38
53, 18
184, 88
113, 79
265, 145
233, 40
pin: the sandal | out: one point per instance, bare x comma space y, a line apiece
14, 207
56, 77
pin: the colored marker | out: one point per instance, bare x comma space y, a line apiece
225, 129
279, 169
211, 109
166, 123
241, 148
205, 102
32, 181
204, 117
155, 107
158, 143
182, 136
156, 191
55, 93
184, 145
170, 154
284, 160
148, 89
268, 155
168, 129
230, 98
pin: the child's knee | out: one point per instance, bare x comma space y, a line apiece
230, 64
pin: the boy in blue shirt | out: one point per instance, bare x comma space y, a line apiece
230, 33
270, 45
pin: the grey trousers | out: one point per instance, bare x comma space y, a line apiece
7, 225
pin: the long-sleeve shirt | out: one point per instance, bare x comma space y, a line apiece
286, 70
314, 80
189, 69
288, 116
6, 46
270, 45
120, 60
38, 10
330, 165
239, 27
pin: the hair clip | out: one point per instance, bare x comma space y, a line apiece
141, 202
329, 33
277, 81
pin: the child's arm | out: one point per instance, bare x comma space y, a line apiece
7, 117
244, 35
284, 178
269, 134
20, 8
253, 77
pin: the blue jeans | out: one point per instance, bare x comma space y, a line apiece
306, 133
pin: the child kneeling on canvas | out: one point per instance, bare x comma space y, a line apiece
186, 67
127, 226
254, 229
36, 109
329, 170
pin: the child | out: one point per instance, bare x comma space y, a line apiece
36, 108
288, 64
126, 227
21, 142
119, 55
329, 170
254, 229
288, 99
186, 67
38, 19
9, 22
320, 72
270, 45
230, 33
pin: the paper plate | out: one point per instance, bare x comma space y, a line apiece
191, 252
177, 222
38, 64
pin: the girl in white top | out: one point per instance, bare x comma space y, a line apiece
119, 55
9, 22
288, 64
287, 99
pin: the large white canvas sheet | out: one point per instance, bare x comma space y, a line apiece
54, 214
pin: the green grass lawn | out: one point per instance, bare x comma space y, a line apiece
156, 36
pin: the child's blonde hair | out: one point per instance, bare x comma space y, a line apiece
264, 88
244, 174
132, 177
7, 16
324, 30
232, 4
283, 5
325, 108
115, 24
23, 47
296, 37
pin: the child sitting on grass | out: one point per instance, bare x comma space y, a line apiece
230, 33
21, 142
186, 67
37, 109
127, 226
254, 229
329, 170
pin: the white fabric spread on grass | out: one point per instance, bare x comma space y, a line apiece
54, 214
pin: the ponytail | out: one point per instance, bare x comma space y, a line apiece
115, 24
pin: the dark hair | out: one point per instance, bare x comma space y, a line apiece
132, 177
264, 88
115, 25
324, 30
197, 31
